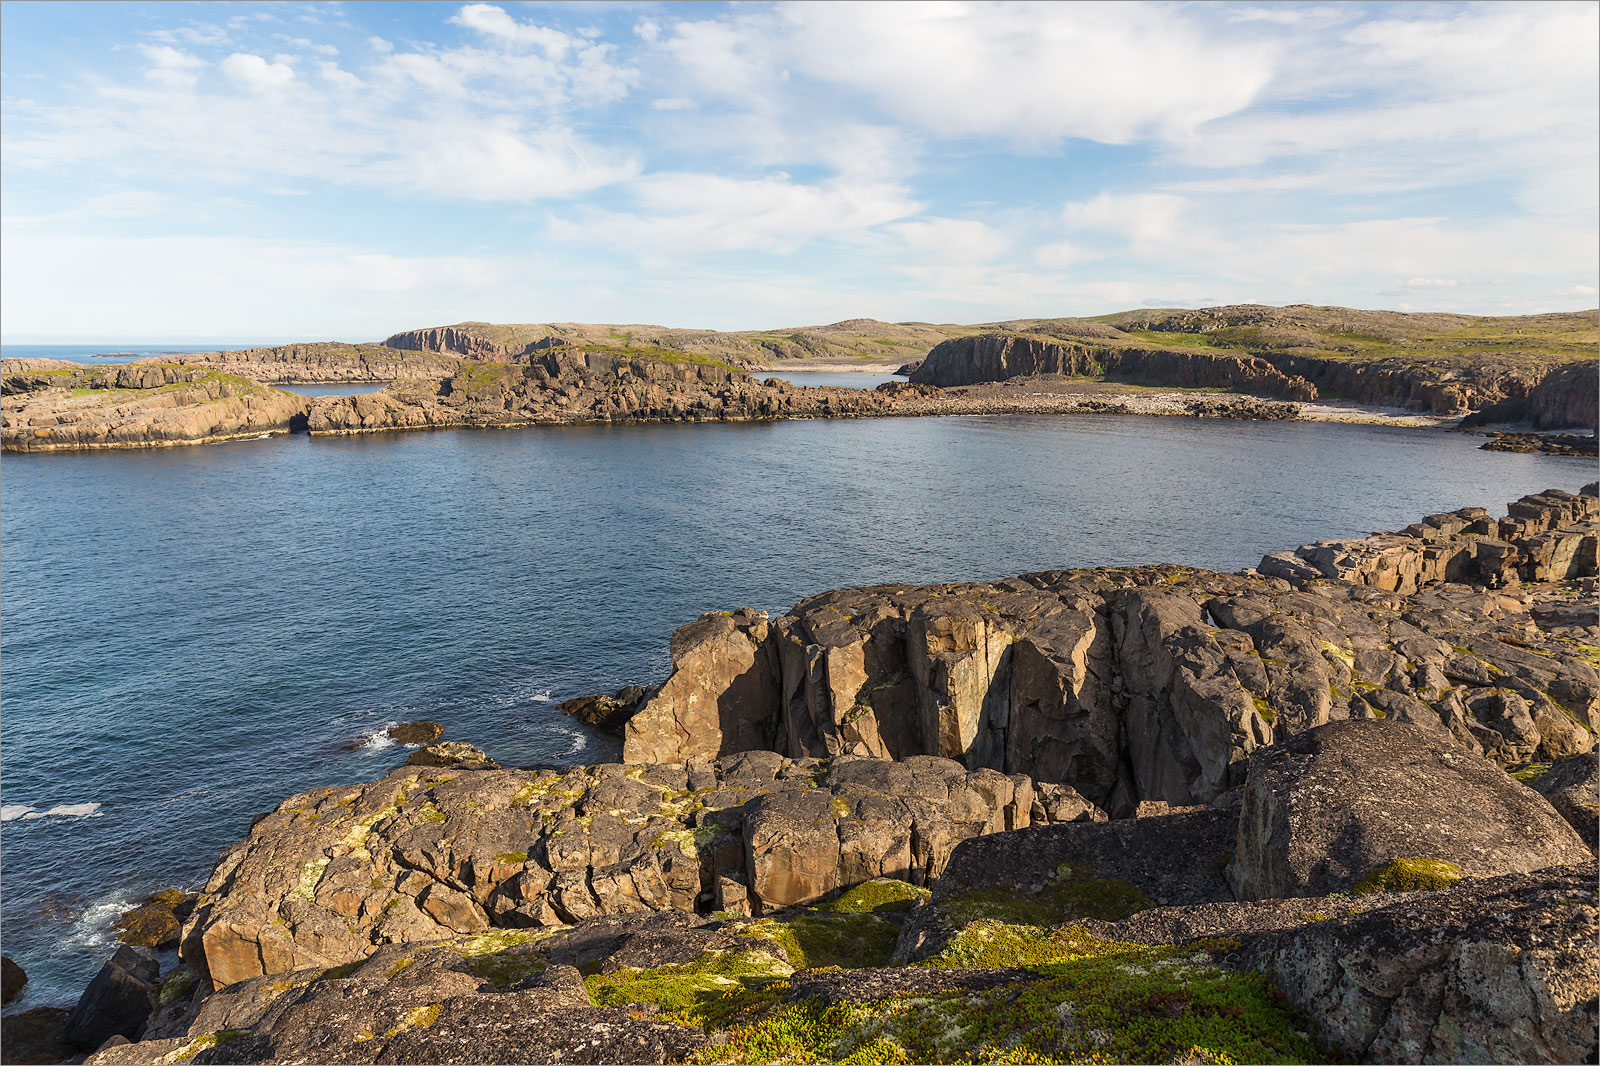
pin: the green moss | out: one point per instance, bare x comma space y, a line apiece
511, 858
421, 1017
334, 973
1531, 773
682, 987
430, 814
188, 1051
1073, 893
1264, 709
821, 938
877, 897
178, 985
1106, 1002
1409, 875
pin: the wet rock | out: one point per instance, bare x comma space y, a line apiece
416, 734
1335, 805
157, 921
453, 753
118, 1001
1571, 785
12, 979
606, 712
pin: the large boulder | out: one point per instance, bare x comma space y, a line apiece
1498, 970
722, 696
118, 1001
1339, 804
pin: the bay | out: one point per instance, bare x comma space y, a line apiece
190, 635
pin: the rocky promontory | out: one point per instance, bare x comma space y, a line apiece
1130, 815
66, 407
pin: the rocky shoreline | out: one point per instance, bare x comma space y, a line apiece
51, 407
1337, 806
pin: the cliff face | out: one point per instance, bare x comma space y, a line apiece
999, 356
1564, 396
69, 407
452, 340
1155, 684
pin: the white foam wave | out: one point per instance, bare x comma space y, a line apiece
13, 811
579, 742
377, 739
93, 927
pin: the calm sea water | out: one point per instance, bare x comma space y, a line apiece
849, 379
190, 635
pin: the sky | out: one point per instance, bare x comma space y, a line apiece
184, 171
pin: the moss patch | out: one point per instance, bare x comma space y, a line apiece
1529, 774
877, 897
1101, 1002
683, 987
1074, 892
1409, 875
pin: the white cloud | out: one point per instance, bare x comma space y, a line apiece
255, 73
378, 44
678, 214
1025, 73
494, 22
1141, 217
1435, 283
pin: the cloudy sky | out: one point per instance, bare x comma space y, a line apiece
189, 171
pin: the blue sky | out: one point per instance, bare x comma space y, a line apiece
193, 170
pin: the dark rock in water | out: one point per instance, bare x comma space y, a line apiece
1498, 970
453, 753
37, 1035
118, 1001
1547, 443
12, 978
910, 368
157, 921
416, 734
1571, 785
1337, 805
607, 712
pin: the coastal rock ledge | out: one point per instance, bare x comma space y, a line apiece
1143, 815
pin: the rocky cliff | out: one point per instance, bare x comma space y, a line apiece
1156, 683
65, 407
999, 356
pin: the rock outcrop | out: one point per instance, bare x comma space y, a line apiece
1330, 809
118, 1001
1156, 683
12, 979
1498, 970
1572, 785
1548, 536
999, 356
69, 407
429, 853
321, 363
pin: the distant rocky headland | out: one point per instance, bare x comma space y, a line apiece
1338, 806
1535, 373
